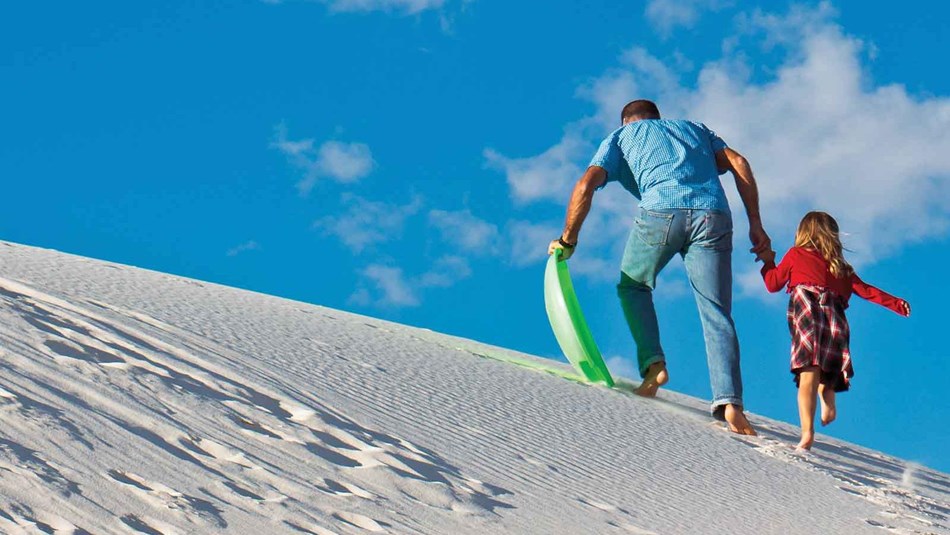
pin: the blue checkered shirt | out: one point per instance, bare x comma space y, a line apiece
665, 163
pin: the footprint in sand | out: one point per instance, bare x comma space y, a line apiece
310, 529
296, 412
139, 525
337, 488
244, 493
210, 448
20, 461
78, 351
536, 462
385, 461
889, 486
254, 427
22, 519
360, 521
159, 495
616, 517
8, 398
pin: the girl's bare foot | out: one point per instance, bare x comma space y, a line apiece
737, 421
657, 376
828, 410
806, 442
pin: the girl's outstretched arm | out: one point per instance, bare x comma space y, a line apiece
876, 295
776, 277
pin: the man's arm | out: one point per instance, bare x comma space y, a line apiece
578, 208
730, 160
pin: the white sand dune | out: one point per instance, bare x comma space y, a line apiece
138, 402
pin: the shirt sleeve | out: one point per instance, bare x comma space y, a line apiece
610, 157
875, 295
715, 141
777, 277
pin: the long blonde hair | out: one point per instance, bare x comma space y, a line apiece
819, 231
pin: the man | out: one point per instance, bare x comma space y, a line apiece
673, 168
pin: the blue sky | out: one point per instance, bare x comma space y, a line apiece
410, 160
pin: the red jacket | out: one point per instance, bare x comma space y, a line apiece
806, 266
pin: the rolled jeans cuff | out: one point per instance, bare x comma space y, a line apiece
718, 407
645, 364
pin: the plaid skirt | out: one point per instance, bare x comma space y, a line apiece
820, 335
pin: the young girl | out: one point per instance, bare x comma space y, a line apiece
820, 282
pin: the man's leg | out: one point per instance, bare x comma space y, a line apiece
653, 241
708, 259
636, 299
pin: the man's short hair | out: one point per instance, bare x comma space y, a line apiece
639, 109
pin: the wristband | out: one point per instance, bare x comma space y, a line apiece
566, 245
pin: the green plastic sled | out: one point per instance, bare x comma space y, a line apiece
568, 324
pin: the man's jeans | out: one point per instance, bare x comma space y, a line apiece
704, 239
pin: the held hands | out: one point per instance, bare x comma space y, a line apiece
767, 257
567, 249
761, 243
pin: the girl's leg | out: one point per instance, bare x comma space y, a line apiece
828, 410
808, 379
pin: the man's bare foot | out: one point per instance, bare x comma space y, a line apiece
657, 376
828, 410
807, 440
737, 421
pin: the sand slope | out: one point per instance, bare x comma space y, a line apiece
137, 402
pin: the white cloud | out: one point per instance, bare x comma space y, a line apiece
390, 285
529, 241
605, 229
464, 231
361, 297
819, 133
403, 7
387, 286
623, 367
668, 14
445, 272
748, 283
246, 246
548, 175
345, 162
339, 161
367, 223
